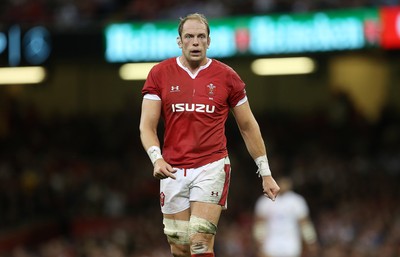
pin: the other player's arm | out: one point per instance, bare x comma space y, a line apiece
309, 235
252, 137
259, 232
150, 116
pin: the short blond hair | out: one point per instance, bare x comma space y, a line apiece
193, 16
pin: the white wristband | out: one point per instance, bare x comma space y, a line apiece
154, 153
263, 166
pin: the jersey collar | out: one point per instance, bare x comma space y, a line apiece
193, 75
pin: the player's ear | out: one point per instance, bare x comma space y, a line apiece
208, 42
179, 41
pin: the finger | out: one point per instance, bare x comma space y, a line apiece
159, 175
171, 171
266, 195
167, 173
172, 175
270, 195
276, 191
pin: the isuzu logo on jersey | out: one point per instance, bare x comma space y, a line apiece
185, 107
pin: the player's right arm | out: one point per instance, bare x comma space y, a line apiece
150, 116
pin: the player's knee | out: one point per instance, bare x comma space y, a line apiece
201, 233
177, 233
200, 225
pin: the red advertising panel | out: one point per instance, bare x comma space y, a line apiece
390, 17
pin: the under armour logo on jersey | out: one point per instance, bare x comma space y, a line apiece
214, 193
174, 89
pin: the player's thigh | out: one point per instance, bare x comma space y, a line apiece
182, 215
208, 211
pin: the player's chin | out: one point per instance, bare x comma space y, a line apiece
195, 57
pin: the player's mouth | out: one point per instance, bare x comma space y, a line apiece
195, 52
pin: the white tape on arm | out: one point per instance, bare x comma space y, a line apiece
263, 166
259, 231
308, 232
154, 153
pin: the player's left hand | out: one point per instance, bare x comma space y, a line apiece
270, 187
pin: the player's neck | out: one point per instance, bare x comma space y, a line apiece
193, 66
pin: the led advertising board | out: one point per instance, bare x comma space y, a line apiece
318, 32
18, 46
256, 35
390, 18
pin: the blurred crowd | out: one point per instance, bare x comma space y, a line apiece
77, 14
88, 183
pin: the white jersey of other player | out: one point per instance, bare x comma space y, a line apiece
282, 231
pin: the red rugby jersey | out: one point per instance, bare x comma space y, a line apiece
194, 109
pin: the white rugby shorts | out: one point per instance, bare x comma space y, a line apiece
208, 183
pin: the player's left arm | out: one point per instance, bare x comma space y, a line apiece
250, 131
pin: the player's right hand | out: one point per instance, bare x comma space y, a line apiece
163, 170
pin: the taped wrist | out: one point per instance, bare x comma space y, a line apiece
154, 153
263, 166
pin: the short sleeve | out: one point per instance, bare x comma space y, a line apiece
151, 83
238, 89
301, 207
